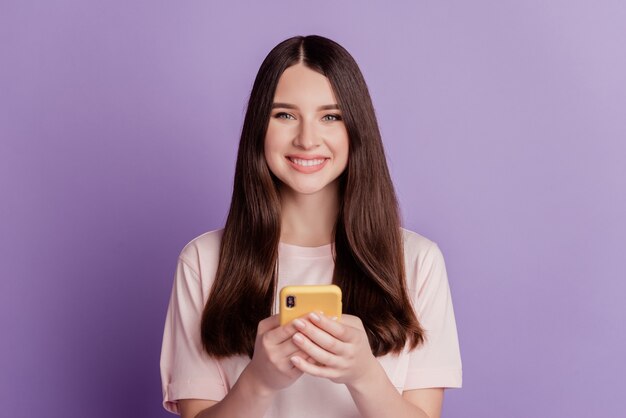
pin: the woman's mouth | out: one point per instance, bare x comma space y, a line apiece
307, 165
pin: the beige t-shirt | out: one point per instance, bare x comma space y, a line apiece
188, 372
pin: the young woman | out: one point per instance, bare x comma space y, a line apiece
313, 203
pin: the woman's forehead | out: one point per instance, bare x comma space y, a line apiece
303, 87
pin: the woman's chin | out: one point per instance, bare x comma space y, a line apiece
305, 189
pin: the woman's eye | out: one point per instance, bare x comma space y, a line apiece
279, 115
336, 117
283, 115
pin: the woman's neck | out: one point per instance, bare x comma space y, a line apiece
308, 219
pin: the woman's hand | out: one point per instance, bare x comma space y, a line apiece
270, 366
341, 349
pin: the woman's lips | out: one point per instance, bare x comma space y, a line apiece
307, 165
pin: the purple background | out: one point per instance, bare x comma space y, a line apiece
504, 124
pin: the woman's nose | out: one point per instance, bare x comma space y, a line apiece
307, 137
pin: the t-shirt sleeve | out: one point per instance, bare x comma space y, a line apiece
436, 363
187, 371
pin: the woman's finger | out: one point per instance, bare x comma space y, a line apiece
311, 368
314, 351
280, 334
267, 324
337, 328
319, 336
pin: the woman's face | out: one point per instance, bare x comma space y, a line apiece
306, 143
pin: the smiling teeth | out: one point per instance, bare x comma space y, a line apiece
306, 163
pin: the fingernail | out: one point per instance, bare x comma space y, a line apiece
315, 317
334, 318
299, 323
298, 337
295, 359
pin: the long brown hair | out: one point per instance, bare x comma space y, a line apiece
368, 249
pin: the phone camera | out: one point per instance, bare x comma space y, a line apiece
291, 301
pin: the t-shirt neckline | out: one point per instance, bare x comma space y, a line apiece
299, 251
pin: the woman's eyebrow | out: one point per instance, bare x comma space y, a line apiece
291, 106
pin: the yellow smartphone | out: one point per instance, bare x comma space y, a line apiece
299, 300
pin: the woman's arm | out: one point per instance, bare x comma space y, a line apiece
343, 354
269, 371
430, 400
247, 398
377, 397
190, 408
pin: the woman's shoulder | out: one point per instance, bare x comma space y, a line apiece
415, 243
202, 252
422, 257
